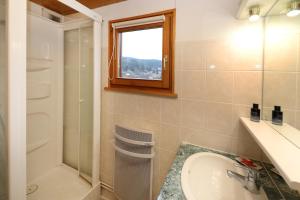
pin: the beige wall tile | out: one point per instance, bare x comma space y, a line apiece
107, 162
171, 111
169, 137
166, 159
219, 86
127, 104
247, 148
206, 138
247, 87
239, 111
150, 108
192, 114
107, 102
178, 83
178, 55
280, 89
193, 85
192, 55
243, 144
125, 120
157, 182
218, 117
107, 125
235, 53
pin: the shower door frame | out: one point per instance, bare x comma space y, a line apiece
97, 21
16, 63
77, 25
16, 14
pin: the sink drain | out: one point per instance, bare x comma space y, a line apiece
32, 188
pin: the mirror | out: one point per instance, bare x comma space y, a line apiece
282, 69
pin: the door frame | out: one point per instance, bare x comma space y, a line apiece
16, 127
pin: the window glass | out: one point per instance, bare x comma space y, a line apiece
141, 54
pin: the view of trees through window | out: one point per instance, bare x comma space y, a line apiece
141, 57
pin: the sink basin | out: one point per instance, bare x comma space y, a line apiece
204, 177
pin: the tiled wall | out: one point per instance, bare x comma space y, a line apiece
218, 76
282, 68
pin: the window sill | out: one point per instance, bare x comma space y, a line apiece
144, 91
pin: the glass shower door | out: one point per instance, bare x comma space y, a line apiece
86, 103
3, 103
78, 101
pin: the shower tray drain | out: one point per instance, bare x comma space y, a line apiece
32, 188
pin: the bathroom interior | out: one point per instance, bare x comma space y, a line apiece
144, 100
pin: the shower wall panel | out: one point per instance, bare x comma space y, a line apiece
44, 96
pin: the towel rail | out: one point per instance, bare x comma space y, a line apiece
135, 142
135, 155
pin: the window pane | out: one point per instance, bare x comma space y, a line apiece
141, 54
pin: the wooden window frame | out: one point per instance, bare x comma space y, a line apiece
164, 87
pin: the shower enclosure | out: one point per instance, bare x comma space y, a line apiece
37, 133
3, 103
59, 108
63, 94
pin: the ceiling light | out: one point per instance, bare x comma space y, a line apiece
254, 13
294, 9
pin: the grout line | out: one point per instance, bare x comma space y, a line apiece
272, 180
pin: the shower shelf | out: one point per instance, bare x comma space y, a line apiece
38, 64
279, 150
37, 145
38, 90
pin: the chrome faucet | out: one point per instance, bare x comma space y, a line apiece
250, 181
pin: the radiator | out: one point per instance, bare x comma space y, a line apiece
134, 153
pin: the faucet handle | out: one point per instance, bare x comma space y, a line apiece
252, 173
242, 167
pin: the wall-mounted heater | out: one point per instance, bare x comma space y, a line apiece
133, 164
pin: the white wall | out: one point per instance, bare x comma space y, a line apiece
217, 78
44, 96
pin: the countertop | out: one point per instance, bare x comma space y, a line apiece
171, 189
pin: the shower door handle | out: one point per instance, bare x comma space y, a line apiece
81, 100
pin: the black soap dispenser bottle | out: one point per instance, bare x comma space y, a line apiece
255, 113
277, 116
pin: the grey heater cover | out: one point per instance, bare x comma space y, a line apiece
133, 164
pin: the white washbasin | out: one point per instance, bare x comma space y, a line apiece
204, 177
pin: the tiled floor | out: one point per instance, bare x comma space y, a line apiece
61, 183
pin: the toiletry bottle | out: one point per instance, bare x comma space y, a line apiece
255, 113
277, 116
